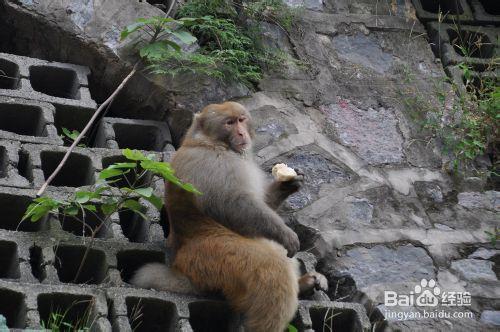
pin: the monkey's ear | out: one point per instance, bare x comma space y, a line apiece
198, 122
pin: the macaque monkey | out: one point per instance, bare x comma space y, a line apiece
230, 238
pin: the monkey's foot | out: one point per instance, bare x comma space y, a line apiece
313, 280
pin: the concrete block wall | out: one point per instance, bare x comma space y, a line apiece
473, 24
38, 261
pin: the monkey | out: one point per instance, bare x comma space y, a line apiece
230, 238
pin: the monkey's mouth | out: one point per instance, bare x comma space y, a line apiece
241, 147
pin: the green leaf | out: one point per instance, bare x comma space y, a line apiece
83, 196
292, 328
133, 155
90, 207
71, 210
158, 50
140, 23
40, 207
135, 206
108, 209
109, 173
156, 201
123, 165
185, 37
144, 192
166, 172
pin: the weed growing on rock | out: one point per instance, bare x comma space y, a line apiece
228, 34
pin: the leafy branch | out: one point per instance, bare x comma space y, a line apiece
105, 199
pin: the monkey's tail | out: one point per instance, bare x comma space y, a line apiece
161, 277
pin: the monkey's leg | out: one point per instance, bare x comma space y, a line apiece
255, 275
313, 280
161, 277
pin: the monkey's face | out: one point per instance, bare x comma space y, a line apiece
229, 123
238, 133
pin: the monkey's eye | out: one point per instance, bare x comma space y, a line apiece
242, 119
230, 122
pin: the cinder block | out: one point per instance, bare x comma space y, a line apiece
9, 261
72, 118
456, 74
14, 203
54, 82
27, 121
28, 305
470, 44
443, 10
12, 165
79, 170
336, 316
13, 307
147, 135
486, 11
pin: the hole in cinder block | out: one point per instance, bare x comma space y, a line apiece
13, 209
78, 170
4, 161
151, 314
67, 263
55, 81
471, 44
134, 227
72, 118
22, 119
74, 312
444, 6
140, 137
9, 261
128, 261
163, 5
13, 308
24, 166
126, 180
210, 316
9, 74
491, 7
84, 225
36, 263
164, 222
333, 319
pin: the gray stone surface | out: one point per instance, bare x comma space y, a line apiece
383, 265
491, 317
474, 269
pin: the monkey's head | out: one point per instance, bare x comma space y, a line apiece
228, 123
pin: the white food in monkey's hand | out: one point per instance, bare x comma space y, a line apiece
282, 173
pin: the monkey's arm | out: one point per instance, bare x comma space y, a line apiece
278, 191
248, 216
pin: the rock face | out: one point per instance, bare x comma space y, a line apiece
377, 209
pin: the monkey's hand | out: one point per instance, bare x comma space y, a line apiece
290, 241
293, 185
278, 191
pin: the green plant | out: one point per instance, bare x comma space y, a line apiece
58, 320
494, 235
467, 119
106, 197
292, 328
228, 34
69, 136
